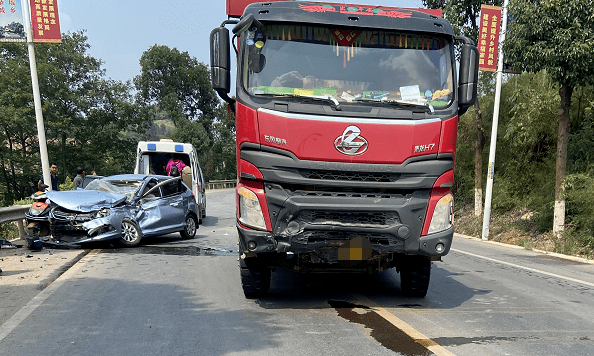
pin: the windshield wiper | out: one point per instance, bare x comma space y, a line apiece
400, 103
333, 102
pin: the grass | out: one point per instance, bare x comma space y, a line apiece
518, 227
9, 231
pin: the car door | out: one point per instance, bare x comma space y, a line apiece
161, 209
172, 205
149, 212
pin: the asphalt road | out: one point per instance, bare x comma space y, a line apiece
172, 296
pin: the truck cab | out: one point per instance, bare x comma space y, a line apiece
346, 136
152, 158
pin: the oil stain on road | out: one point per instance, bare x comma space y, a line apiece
384, 332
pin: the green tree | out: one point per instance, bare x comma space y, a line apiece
223, 163
89, 120
19, 153
557, 37
178, 85
526, 144
463, 15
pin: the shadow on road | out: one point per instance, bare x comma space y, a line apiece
209, 221
123, 316
293, 290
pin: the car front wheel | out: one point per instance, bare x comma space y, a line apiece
190, 230
131, 234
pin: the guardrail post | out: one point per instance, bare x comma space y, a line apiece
21, 228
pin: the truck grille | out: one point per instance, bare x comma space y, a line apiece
309, 237
349, 218
326, 192
349, 176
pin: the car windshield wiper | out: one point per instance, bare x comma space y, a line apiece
333, 102
400, 103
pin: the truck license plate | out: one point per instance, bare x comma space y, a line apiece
357, 249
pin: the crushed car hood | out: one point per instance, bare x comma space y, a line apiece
85, 200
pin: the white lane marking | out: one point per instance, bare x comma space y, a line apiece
14, 321
416, 335
525, 268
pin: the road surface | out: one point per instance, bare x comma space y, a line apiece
180, 297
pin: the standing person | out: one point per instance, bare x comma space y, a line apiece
78, 180
54, 178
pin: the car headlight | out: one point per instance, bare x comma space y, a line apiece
250, 211
442, 215
103, 213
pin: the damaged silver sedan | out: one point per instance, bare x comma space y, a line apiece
125, 208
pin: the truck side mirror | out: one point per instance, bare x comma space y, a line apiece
468, 77
220, 60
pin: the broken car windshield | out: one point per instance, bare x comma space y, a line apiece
125, 187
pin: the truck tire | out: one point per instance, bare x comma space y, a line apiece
415, 273
255, 278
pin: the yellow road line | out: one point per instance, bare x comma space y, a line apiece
404, 327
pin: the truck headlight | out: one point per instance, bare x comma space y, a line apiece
442, 215
250, 211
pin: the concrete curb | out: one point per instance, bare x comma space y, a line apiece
60, 270
554, 254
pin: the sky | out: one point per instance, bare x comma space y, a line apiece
119, 31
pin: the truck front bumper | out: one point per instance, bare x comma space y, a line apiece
258, 242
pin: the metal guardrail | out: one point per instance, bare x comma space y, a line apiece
219, 184
15, 213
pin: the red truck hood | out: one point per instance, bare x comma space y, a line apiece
342, 139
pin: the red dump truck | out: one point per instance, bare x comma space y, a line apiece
346, 136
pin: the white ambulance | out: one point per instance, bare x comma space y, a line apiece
152, 158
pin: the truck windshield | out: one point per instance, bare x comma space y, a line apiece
348, 65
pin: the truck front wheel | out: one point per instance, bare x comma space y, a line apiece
255, 278
415, 272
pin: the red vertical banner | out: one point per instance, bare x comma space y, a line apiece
45, 23
488, 38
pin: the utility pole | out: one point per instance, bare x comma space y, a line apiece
491, 168
36, 97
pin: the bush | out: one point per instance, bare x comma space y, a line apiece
579, 203
67, 185
575, 242
9, 231
25, 201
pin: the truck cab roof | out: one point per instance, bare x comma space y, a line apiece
366, 16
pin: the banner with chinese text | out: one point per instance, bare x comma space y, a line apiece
488, 38
45, 23
12, 23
